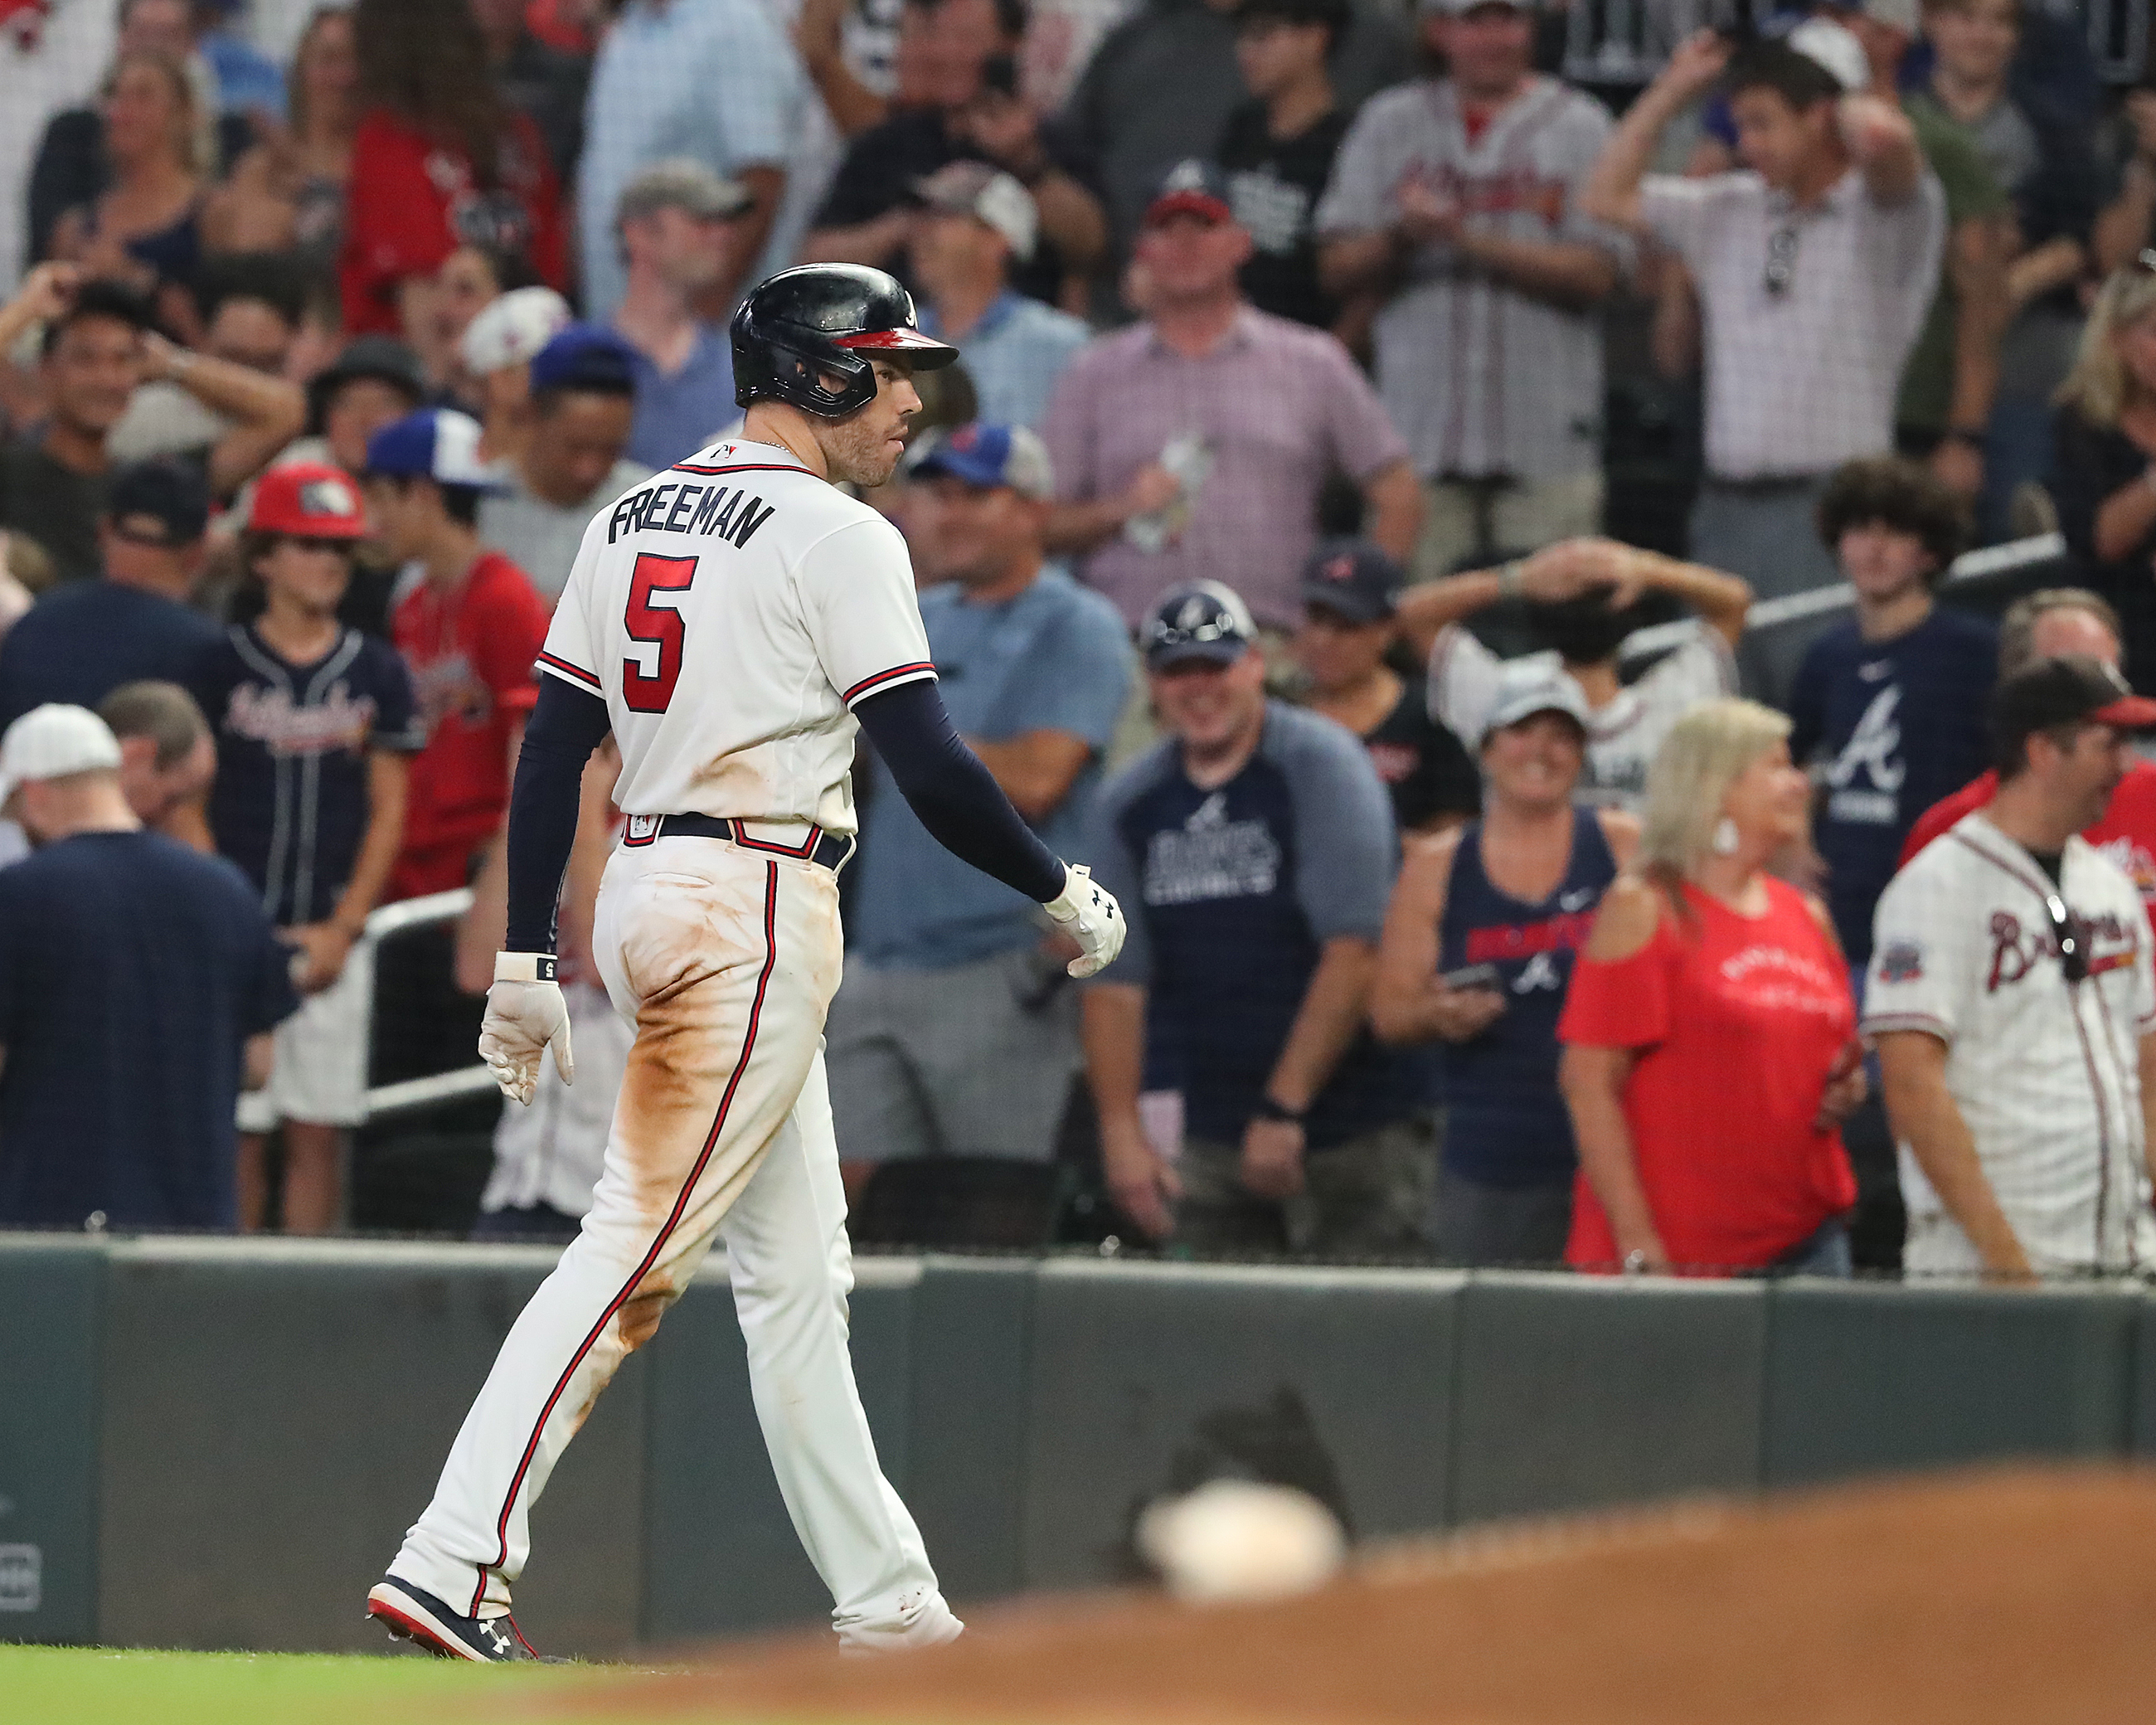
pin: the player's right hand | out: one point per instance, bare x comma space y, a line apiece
523, 1020
1089, 914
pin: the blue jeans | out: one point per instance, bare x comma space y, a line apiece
1825, 1252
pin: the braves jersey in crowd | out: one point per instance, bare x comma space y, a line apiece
1424, 767
2046, 1072
1506, 1124
1893, 726
789, 600
1232, 893
2127, 833
470, 647
289, 804
1621, 737
1481, 378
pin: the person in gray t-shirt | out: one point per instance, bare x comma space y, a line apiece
583, 401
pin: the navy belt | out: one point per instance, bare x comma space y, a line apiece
830, 850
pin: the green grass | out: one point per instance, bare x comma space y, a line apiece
96, 1686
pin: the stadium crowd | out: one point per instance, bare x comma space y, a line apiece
1462, 554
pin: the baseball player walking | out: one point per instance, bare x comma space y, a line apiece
733, 620
2013, 1003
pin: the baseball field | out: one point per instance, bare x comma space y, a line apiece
1977, 1599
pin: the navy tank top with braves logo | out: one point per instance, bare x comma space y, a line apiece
1505, 1123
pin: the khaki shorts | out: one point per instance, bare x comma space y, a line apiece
1471, 523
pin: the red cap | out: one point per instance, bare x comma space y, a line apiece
307, 500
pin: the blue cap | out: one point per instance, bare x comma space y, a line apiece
988, 456
439, 443
583, 355
1196, 620
162, 501
1352, 579
1192, 187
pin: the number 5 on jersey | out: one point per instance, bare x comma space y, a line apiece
656, 590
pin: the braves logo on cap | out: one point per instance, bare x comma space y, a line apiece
964, 438
1339, 568
1187, 175
327, 496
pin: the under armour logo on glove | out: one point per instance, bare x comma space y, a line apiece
1088, 913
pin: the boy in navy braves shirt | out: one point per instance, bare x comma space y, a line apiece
313, 722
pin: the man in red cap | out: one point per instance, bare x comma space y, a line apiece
313, 721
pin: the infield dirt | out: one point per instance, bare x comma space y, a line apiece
2011, 1598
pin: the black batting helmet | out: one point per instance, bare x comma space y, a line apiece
830, 318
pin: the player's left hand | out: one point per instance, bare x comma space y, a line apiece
523, 1020
1089, 914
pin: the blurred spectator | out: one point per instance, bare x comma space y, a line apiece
2104, 481
2050, 623
2047, 166
82, 641
1164, 82
144, 227
1814, 266
249, 83
495, 354
2011, 968
1582, 593
971, 111
548, 1157
1457, 200
1278, 149
953, 1034
1254, 850
1710, 1038
680, 235
287, 192
166, 760
71, 168
438, 162
470, 631
252, 305
539, 80
137, 979
709, 78
438, 311
1194, 445
2127, 224
854, 51
97, 349
1477, 952
975, 226
1887, 707
1351, 593
314, 722
583, 395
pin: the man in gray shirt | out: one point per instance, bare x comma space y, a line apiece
583, 401
1457, 199
1254, 850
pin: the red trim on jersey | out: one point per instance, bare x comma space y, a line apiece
869, 685
808, 850
911, 340
657, 1245
745, 467
573, 673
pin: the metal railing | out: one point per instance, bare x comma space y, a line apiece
411, 1094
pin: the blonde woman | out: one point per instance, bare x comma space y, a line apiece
1710, 1051
144, 229
2104, 476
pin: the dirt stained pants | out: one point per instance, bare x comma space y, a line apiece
725, 957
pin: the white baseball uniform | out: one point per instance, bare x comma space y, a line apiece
2046, 1074
729, 610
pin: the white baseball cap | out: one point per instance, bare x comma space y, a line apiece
1827, 44
1528, 686
509, 330
989, 195
51, 742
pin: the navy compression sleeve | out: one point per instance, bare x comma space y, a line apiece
957, 799
567, 724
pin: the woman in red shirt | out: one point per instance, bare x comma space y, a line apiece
438, 162
1710, 1034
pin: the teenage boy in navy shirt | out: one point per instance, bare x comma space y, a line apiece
1255, 847
313, 723
1888, 706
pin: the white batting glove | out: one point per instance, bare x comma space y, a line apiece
1088, 913
526, 1015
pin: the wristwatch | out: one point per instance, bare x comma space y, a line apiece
1268, 1108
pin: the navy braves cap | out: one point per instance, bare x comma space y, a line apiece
1192, 187
2070, 689
1353, 579
583, 355
1196, 620
439, 443
159, 502
988, 456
